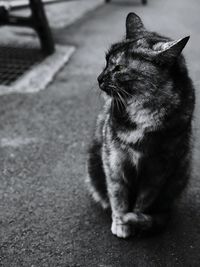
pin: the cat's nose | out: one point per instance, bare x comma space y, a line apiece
101, 81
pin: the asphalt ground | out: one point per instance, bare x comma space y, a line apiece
46, 215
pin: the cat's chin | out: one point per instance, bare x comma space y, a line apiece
107, 92
106, 96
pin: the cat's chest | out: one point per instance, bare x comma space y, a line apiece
144, 121
131, 136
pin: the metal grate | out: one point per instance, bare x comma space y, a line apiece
16, 61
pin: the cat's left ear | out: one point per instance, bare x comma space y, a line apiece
171, 50
134, 26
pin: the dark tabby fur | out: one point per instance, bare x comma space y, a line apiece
139, 160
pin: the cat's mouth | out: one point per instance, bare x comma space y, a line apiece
109, 89
104, 87
115, 92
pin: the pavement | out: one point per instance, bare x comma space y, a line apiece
64, 13
47, 218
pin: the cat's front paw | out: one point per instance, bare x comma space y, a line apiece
120, 229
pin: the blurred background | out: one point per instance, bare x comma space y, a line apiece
49, 99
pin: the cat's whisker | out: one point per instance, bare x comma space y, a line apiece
122, 90
118, 101
119, 89
122, 101
121, 94
118, 107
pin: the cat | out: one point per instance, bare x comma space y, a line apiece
139, 161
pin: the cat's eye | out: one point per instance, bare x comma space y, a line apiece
118, 68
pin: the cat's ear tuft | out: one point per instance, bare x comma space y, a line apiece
134, 26
171, 50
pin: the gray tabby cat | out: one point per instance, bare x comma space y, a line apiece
139, 160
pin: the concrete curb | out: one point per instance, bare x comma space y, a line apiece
37, 78
40, 75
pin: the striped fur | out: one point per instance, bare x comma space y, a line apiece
139, 159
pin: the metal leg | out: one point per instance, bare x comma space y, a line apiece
41, 25
144, 2
37, 20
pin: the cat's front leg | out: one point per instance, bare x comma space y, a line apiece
118, 195
117, 191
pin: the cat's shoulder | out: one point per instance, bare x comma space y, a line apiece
102, 119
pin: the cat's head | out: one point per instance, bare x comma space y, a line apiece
141, 63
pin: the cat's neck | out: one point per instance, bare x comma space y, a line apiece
133, 115
119, 116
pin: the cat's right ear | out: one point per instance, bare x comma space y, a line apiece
169, 51
134, 26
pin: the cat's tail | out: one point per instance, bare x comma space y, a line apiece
155, 222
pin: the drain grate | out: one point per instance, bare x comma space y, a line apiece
16, 61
